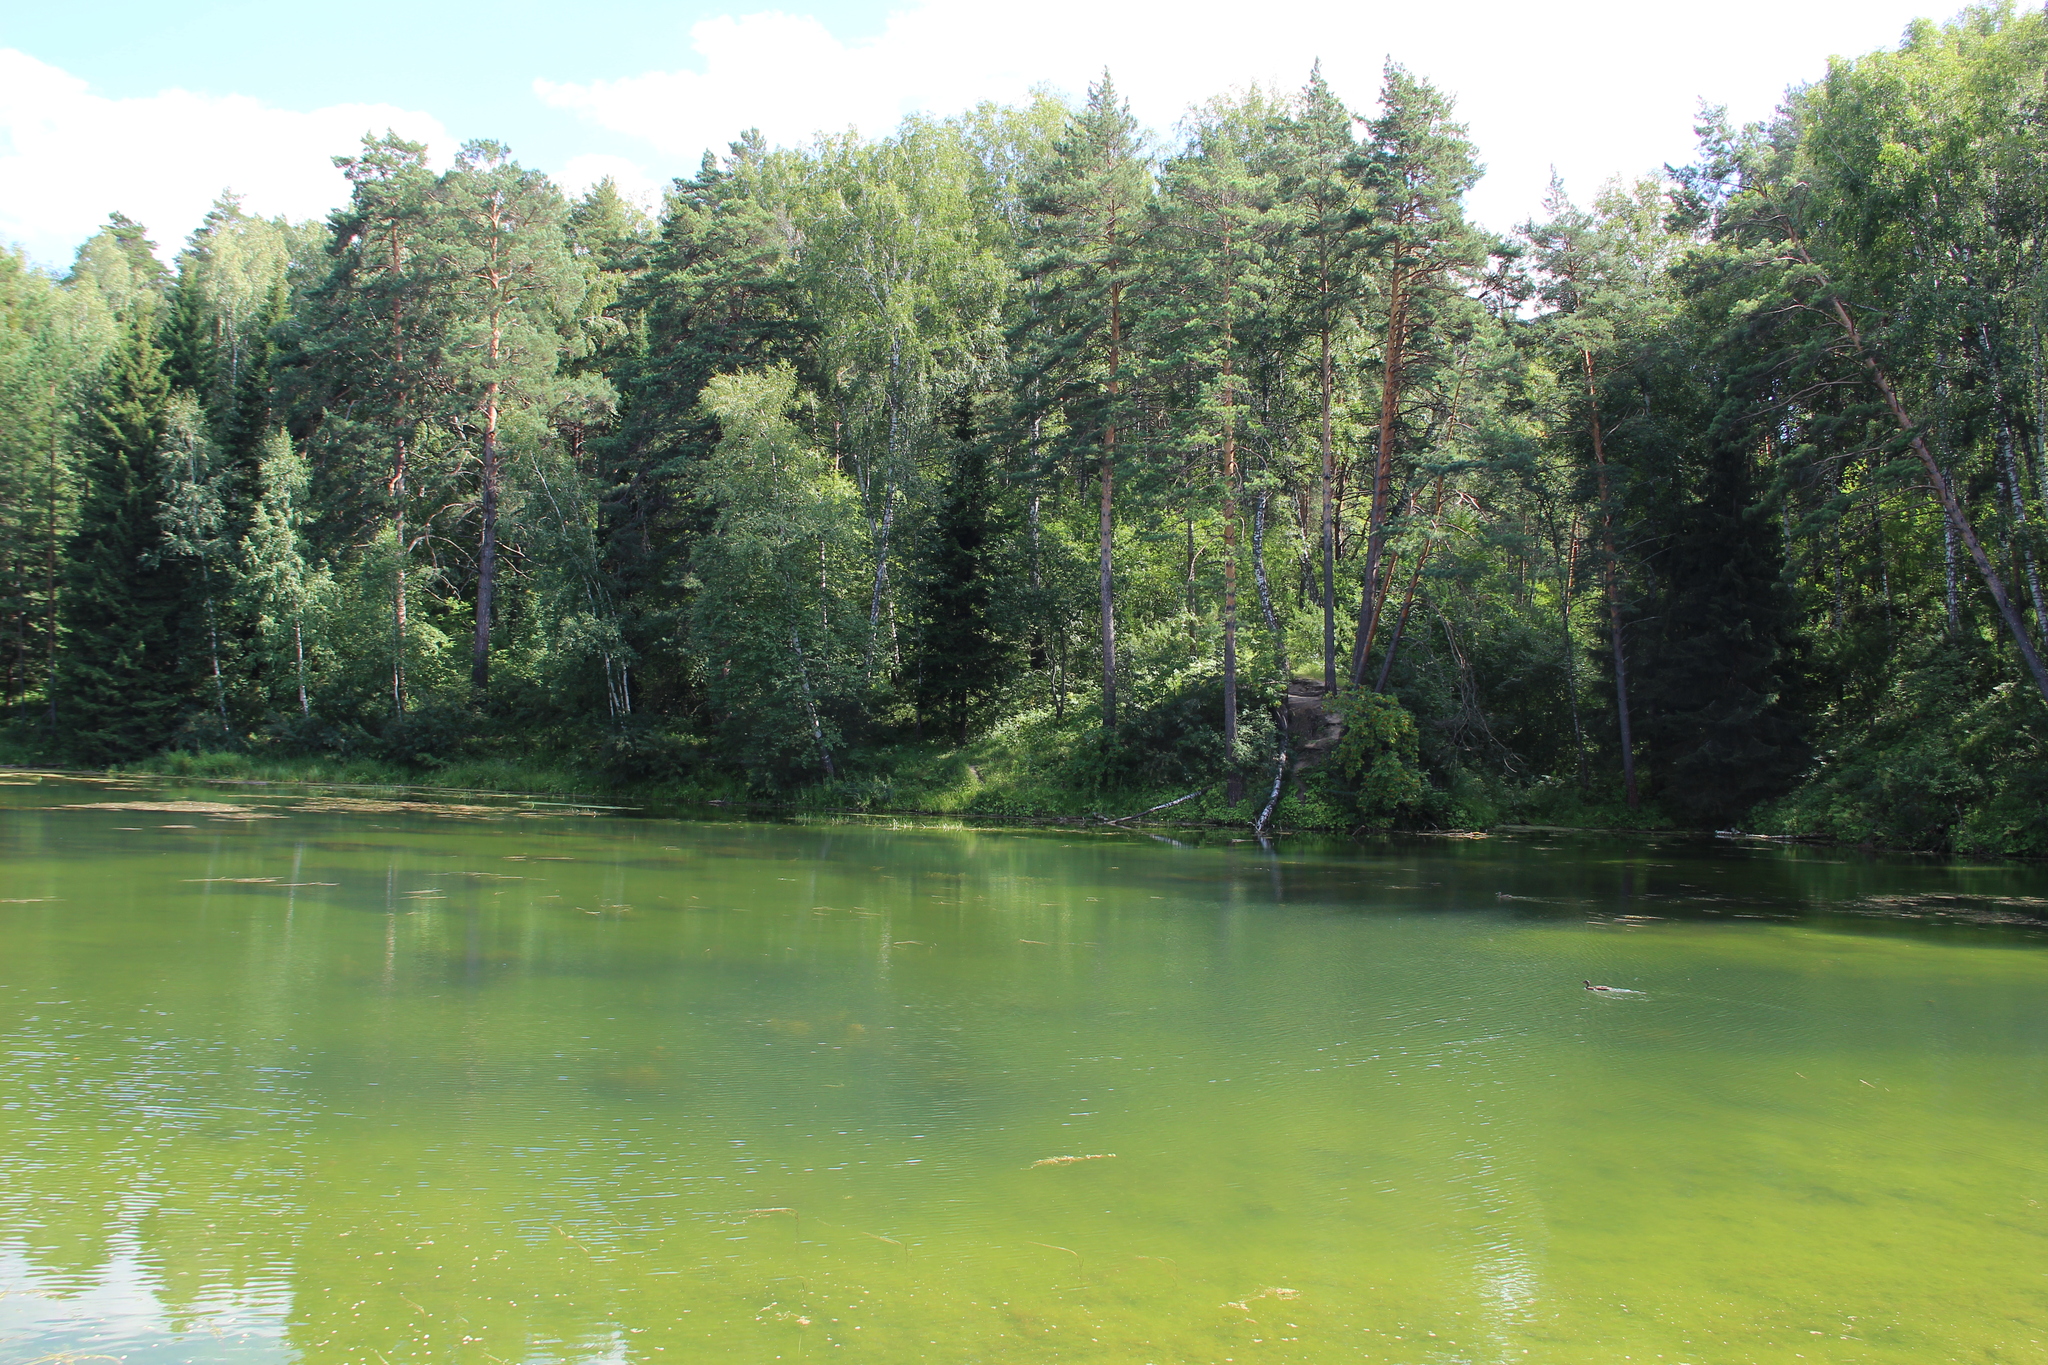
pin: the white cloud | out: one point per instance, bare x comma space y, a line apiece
69, 157
579, 173
1595, 87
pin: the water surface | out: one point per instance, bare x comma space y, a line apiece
348, 1079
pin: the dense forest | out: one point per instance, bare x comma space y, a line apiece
1023, 461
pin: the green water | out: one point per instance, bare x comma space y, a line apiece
297, 1079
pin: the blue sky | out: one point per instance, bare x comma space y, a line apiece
470, 65
153, 108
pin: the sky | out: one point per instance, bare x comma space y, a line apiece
152, 109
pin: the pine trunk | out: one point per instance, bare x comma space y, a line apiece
1234, 787
1370, 592
398, 586
1329, 529
1107, 530
1611, 580
487, 556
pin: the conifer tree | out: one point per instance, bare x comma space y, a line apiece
118, 690
1218, 210
963, 656
719, 296
1417, 166
370, 351
248, 415
512, 289
1720, 645
1322, 185
1605, 284
189, 343
1085, 244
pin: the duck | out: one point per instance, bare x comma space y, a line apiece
1591, 987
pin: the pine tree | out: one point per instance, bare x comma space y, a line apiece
1605, 285
511, 290
1217, 211
611, 238
1322, 185
370, 352
248, 417
1417, 166
1085, 244
719, 296
118, 690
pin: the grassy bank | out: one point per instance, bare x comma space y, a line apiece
1036, 768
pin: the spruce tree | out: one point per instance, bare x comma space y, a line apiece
963, 658
188, 340
118, 690
1720, 644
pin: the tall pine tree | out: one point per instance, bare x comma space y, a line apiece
1086, 243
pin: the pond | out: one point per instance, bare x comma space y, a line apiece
337, 1076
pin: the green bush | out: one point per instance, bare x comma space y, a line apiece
1376, 767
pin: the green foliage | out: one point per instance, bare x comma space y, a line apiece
774, 584
118, 692
1012, 463
1376, 767
1918, 771
963, 658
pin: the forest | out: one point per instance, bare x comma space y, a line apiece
1025, 462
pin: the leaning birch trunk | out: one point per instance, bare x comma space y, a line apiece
2016, 491
220, 686
1953, 509
1279, 779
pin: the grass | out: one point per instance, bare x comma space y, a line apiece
1031, 767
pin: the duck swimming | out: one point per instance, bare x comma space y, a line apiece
1611, 990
